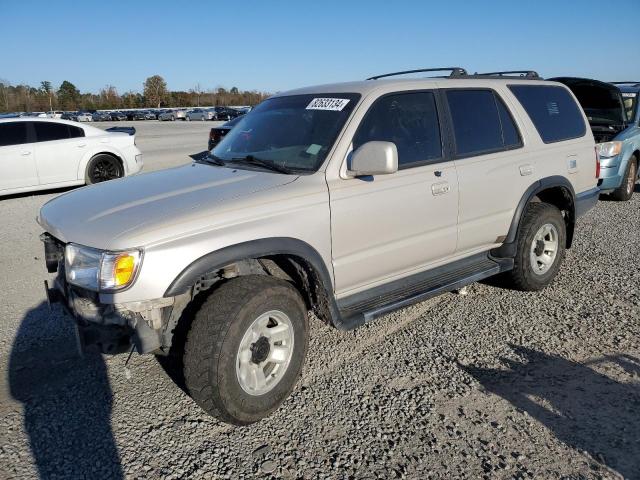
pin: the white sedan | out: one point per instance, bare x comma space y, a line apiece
41, 153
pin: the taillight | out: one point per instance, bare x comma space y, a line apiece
597, 163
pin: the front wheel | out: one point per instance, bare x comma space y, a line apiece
625, 191
245, 349
541, 242
103, 167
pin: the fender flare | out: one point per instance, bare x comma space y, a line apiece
508, 247
251, 249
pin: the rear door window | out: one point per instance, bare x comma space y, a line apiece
552, 110
49, 131
481, 122
410, 121
13, 133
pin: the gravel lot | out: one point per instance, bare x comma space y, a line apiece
492, 384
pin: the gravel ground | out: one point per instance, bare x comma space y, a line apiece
492, 384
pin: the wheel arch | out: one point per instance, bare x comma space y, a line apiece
555, 190
84, 164
294, 259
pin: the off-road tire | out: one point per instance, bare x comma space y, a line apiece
101, 168
625, 191
213, 340
523, 277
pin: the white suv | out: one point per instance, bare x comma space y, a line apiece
350, 200
40, 153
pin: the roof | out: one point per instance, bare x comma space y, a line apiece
365, 87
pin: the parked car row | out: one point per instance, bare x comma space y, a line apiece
200, 113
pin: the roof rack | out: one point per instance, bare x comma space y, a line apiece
455, 72
518, 73
634, 83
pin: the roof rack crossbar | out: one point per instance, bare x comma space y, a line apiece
521, 73
455, 72
626, 83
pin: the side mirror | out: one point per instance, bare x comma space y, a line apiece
374, 158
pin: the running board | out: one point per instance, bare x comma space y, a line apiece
363, 307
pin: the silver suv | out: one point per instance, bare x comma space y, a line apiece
347, 200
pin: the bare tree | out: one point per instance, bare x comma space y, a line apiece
197, 91
155, 90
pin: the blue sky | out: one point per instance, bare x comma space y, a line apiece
278, 45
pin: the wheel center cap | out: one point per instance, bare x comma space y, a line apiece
260, 350
539, 250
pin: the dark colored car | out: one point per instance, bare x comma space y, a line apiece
136, 115
224, 113
101, 117
118, 116
217, 133
70, 116
150, 115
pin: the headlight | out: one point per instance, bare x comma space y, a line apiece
609, 149
99, 270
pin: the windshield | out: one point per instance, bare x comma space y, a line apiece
295, 132
630, 101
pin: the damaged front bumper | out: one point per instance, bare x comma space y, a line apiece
113, 328
108, 328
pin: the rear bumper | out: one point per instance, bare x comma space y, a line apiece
585, 201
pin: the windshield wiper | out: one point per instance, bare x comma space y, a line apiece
211, 159
251, 160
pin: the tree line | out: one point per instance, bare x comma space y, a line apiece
27, 98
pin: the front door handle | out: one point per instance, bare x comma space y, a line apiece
440, 188
82, 145
26, 153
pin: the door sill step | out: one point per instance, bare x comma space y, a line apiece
363, 307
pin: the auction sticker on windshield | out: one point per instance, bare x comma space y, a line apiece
335, 104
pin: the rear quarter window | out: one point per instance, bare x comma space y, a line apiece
553, 111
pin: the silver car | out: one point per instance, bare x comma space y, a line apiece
349, 200
172, 115
198, 114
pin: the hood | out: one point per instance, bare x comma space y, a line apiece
601, 101
104, 215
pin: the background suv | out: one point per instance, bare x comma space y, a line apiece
349, 200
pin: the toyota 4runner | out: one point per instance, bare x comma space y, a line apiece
347, 200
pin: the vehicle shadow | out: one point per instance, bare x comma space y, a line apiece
66, 399
585, 409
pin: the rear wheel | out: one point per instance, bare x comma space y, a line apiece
625, 191
540, 250
103, 167
173, 119
245, 348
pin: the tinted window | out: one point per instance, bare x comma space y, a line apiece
552, 110
75, 132
13, 133
46, 131
510, 134
476, 123
410, 120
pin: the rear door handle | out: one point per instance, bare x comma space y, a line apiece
440, 188
26, 153
526, 170
82, 145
